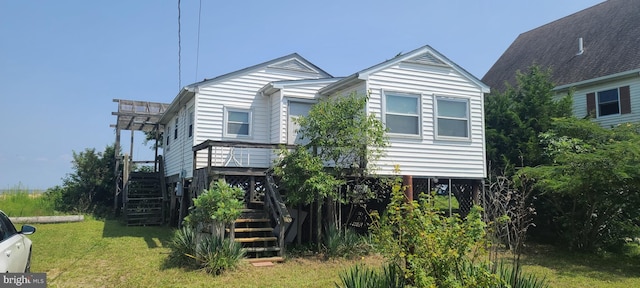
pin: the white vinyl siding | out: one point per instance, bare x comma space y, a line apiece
452, 118
242, 92
429, 155
178, 158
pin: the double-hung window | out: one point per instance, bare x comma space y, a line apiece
237, 122
608, 102
402, 113
452, 117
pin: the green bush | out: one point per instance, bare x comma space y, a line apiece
216, 255
221, 203
432, 250
345, 243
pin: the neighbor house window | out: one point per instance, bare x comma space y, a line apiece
402, 113
452, 117
608, 102
238, 122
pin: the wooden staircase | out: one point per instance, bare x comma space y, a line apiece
255, 232
144, 203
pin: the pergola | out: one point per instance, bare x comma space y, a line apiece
136, 116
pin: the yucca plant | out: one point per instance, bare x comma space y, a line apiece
363, 277
345, 243
513, 276
216, 255
182, 247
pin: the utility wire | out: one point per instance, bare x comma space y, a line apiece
179, 52
198, 45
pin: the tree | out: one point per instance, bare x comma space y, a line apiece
337, 131
515, 118
90, 188
592, 183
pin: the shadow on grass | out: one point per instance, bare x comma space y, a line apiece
154, 236
608, 267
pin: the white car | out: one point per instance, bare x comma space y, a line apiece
15, 247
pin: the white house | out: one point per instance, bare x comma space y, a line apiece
433, 110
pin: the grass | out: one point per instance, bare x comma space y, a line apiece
19, 201
99, 253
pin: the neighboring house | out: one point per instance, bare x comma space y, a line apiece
594, 52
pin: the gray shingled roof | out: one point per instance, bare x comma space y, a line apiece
611, 35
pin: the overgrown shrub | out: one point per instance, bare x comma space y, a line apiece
432, 250
345, 243
216, 255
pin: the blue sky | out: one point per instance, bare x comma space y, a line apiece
62, 62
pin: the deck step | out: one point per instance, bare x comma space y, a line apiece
267, 259
249, 230
252, 220
262, 249
255, 239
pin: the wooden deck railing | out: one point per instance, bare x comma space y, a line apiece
277, 209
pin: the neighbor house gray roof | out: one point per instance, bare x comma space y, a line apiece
611, 41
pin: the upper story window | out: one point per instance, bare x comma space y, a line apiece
402, 113
237, 122
608, 102
452, 117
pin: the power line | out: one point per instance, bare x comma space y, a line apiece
179, 52
198, 45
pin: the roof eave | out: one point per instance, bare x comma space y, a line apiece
345, 82
182, 98
598, 80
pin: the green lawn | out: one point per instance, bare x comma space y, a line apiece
97, 253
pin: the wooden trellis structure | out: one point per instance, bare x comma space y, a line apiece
135, 116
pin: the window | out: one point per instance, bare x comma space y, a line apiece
175, 130
167, 134
190, 124
452, 117
238, 122
402, 114
608, 102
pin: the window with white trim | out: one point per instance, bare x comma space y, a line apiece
402, 113
452, 117
237, 122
